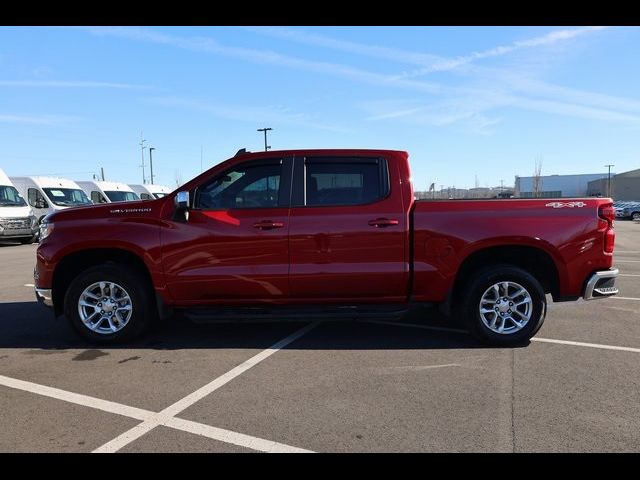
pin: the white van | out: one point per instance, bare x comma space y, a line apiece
107, 192
49, 194
17, 220
151, 192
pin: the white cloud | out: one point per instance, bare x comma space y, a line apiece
276, 114
544, 40
505, 88
209, 45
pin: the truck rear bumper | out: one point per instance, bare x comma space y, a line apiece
601, 284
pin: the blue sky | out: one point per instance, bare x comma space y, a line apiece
466, 102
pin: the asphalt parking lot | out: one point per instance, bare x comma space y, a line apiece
328, 386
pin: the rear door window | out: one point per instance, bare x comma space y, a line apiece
335, 181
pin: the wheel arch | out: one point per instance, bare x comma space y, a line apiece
73, 264
535, 261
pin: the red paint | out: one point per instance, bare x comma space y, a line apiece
355, 254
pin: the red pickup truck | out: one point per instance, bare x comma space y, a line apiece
321, 233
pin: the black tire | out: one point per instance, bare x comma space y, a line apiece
635, 216
28, 241
140, 293
472, 292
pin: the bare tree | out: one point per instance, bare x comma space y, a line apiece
537, 178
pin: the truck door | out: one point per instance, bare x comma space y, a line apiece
347, 231
234, 245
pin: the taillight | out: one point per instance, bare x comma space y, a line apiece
608, 214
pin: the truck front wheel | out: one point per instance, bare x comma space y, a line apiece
503, 305
108, 304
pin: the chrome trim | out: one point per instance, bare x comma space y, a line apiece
44, 296
595, 278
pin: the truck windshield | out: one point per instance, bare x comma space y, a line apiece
118, 196
67, 197
9, 197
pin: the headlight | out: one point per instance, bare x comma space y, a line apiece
45, 229
34, 221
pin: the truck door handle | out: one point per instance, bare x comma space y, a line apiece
382, 222
268, 225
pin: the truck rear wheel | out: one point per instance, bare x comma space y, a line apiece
108, 304
503, 305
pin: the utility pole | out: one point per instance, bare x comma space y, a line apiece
609, 180
102, 173
142, 147
151, 149
265, 130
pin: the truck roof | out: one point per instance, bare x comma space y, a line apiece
48, 182
150, 188
322, 151
106, 186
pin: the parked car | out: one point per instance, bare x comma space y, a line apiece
107, 192
629, 210
322, 233
17, 220
49, 194
150, 191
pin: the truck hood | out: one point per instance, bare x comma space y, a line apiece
15, 212
141, 208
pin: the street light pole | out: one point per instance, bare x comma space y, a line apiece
609, 179
265, 130
151, 149
142, 147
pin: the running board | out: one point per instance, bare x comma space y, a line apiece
293, 313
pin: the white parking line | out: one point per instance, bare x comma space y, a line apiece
164, 417
535, 339
201, 429
625, 298
627, 261
628, 275
583, 344
29, 285
78, 399
235, 438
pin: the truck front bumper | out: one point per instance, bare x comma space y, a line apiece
44, 296
601, 284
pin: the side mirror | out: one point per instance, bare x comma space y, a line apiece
182, 200
182, 207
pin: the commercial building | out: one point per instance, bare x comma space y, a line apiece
555, 186
624, 186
